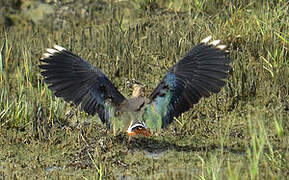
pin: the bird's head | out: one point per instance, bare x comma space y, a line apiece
138, 129
137, 90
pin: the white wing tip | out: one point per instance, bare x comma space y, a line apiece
221, 46
46, 55
50, 51
215, 43
206, 40
59, 48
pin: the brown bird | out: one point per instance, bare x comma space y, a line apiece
201, 72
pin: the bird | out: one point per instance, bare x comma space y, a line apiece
201, 72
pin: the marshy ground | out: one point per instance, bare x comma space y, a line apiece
240, 133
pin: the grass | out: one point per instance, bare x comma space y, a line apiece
240, 133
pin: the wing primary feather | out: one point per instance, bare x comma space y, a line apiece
201, 72
73, 79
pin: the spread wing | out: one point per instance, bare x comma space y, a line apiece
198, 74
70, 77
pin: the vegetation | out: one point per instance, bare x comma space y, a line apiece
240, 133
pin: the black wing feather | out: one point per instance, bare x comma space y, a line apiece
198, 74
70, 77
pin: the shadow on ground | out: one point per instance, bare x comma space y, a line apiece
161, 145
